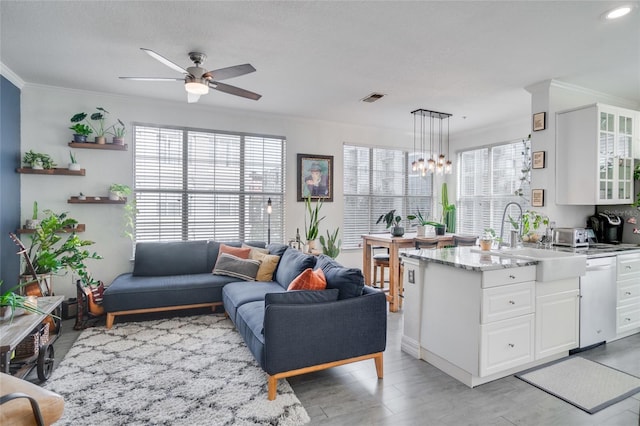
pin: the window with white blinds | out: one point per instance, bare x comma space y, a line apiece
376, 181
488, 179
197, 184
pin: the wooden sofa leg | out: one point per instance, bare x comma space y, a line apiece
273, 387
110, 319
379, 365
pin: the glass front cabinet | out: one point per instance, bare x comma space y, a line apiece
595, 147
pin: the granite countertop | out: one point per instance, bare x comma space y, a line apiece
464, 258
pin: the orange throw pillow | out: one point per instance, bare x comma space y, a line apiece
309, 280
242, 253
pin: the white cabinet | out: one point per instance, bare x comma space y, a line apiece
628, 295
557, 317
594, 155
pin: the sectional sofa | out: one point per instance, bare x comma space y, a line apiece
288, 332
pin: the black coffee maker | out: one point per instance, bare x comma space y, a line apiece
607, 227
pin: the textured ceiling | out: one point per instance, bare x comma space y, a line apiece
318, 59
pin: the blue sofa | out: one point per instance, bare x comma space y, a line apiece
288, 332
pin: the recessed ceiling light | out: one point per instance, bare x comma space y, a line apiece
618, 12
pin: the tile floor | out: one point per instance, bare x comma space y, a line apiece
415, 393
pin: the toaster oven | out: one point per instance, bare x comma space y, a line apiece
570, 237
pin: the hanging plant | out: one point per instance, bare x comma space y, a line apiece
525, 170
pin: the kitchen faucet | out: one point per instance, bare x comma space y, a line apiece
513, 241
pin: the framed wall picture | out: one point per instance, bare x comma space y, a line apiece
539, 121
315, 177
538, 160
537, 198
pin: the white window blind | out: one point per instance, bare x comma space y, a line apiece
376, 181
198, 184
488, 179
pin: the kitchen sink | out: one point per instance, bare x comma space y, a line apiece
552, 265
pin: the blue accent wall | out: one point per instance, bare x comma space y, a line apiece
9, 181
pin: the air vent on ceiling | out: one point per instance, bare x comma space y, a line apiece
373, 97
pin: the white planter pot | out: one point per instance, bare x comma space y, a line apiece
74, 166
420, 231
32, 223
37, 165
113, 196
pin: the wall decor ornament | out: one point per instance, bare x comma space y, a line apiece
539, 121
315, 177
537, 198
538, 161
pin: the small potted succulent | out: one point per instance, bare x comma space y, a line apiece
422, 222
119, 130
73, 162
33, 222
118, 191
392, 222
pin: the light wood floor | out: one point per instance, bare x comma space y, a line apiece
415, 393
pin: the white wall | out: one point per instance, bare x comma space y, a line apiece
45, 120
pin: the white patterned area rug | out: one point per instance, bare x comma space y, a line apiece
192, 370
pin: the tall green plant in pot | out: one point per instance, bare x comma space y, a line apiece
312, 227
50, 252
448, 210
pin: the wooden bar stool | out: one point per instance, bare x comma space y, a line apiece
379, 261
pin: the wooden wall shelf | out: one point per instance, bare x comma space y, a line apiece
93, 200
79, 228
107, 146
54, 171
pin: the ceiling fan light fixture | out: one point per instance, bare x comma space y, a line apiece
618, 12
196, 88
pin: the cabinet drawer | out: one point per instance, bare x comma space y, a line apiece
508, 301
628, 266
506, 344
628, 291
508, 276
628, 318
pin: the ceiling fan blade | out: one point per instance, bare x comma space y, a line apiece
151, 79
230, 72
192, 98
164, 60
232, 90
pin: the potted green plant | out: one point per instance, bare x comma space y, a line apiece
118, 132
33, 222
118, 191
422, 222
38, 161
13, 304
80, 131
73, 162
50, 252
531, 221
448, 210
96, 123
487, 239
392, 221
311, 228
331, 246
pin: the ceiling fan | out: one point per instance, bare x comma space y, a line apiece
198, 80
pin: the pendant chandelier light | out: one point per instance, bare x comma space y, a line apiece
439, 164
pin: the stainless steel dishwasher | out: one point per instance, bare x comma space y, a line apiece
598, 301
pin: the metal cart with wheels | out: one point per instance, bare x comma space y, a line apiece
35, 328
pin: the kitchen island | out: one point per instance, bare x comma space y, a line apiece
482, 316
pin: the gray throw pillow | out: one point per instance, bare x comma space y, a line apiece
233, 266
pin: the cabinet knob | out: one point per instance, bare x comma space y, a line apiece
628, 267
511, 302
627, 293
511, 345
513, 277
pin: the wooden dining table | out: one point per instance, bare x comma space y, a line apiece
393, 244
